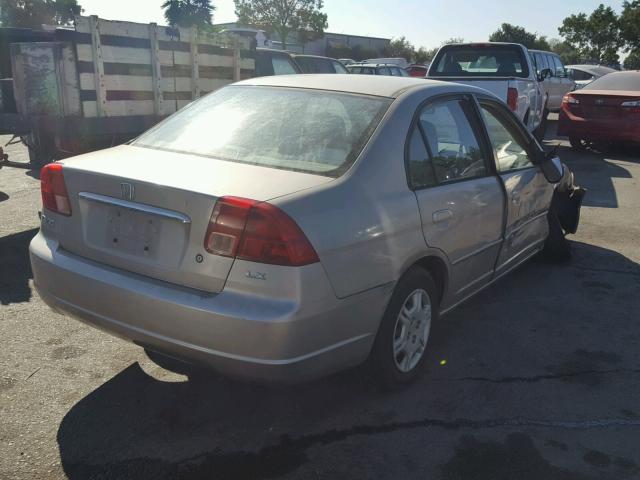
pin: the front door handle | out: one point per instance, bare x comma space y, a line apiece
442, 216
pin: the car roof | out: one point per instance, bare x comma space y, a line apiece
373, 65
599, 69
376, 85
298, 55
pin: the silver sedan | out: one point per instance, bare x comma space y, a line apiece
283, 228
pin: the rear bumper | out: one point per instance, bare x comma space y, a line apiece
238, 334
605, 130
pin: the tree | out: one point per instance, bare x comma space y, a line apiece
305, 18
568, 54
188, 13
632, 62
400, 47
35, 13
630, 25
596, 37
515, 34
423, 55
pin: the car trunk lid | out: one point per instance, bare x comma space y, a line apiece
603, 104
147, 211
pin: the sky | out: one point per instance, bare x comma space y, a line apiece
425, 23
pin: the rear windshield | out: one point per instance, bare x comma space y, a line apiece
616, 81
480, 61
292, 129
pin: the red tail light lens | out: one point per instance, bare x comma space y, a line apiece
570, 100
257, 232
512, 99
54, 192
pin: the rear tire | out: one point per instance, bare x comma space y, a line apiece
399, 350
577, 144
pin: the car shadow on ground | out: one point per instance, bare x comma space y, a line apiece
134, 426
16, 268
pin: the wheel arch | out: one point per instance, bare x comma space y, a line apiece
438, 269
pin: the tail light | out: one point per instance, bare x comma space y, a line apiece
512, 99
54, 192
257, 232
632, 106
570, 100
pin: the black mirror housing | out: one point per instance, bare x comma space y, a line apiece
552, 169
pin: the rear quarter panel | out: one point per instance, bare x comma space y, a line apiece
366, 225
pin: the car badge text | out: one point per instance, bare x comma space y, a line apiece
128, 191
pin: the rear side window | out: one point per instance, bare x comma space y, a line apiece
550, 64
338, 67
559, 67
454, 149
580, 74
616, 81
507, 143
421, 173
480, 61
282, 66
291, 129
541, 62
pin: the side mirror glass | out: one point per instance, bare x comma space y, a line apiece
552, 169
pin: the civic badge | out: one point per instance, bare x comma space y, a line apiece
128, 191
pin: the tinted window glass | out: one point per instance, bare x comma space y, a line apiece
421, 172
616, 81
383, 71
507, 144
489, 60
559, 67
282, 66
541, 63
306, 64
291, 129
580, 74
550, 64
338, 67
455, 151
323, 66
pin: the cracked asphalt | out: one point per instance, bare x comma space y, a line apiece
536, 378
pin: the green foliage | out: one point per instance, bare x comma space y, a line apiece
304, 18
630, 24
632, 62
423, 55
597, 36
35, 13
516, 34
400, 47
568, 54
188, 13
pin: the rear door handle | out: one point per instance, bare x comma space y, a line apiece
442, 216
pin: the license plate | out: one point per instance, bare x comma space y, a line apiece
132, 232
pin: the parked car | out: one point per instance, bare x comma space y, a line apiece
605, 111
377, 69
505, 69
275, 62
583, 75
555, 80
346, 61
417, 70
397, 61
286, 227
316, 64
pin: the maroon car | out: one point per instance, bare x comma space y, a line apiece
416, 70
606, 111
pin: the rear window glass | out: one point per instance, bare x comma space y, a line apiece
480, 61
292, 129
616, 81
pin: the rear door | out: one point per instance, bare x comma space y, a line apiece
461, 201
528, 193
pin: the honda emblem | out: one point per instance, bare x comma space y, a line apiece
128, 191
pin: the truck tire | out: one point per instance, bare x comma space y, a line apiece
399, 350
577, 144
41, 149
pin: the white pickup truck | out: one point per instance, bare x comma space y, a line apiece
505, 69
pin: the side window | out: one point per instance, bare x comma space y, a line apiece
338, 67
540, 63
559, 67
383, 71
282, 66
421, 172
454, 147
580, 75
507, 143
323, 66
550, 64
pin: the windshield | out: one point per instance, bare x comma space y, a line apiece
480, 61
617, 81
301, 130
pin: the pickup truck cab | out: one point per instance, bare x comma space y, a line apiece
504, 69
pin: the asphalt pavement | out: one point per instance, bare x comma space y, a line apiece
536, 378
